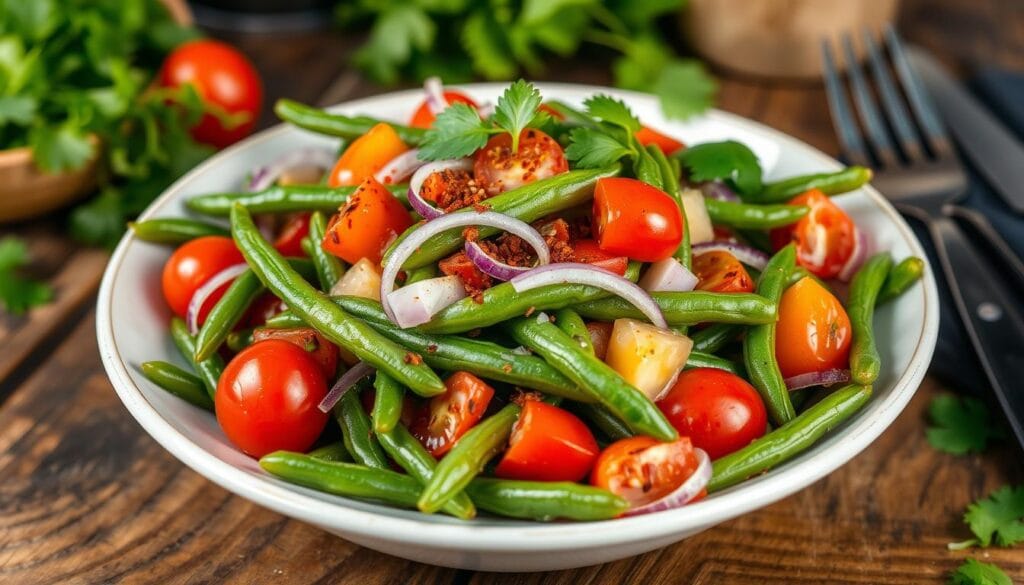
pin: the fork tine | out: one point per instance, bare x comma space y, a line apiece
849, 135
877, 134
918, 98
897, 114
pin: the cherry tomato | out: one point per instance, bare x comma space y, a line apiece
446, 417
289, 240
642, 470
323, 352
813, 331
634, 219
497, 169
719, 411
588, 252
264, 307
667, 144
459, 264
548, 444
720, 271
267, 399
226, 81
366, 155
825, 238
191, 265
424, 118
600, 336
370, 220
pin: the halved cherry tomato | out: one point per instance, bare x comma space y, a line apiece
719, 411
323, 352
825, 238
813, 332
600, 336
367, 155
458, 264
446, 417
191, 265
548, 444
642, 470
667, 144
634, 219
424, 118
267, 399
588, 252
368, 222
497, 169
720, 271
264, 307
289, 240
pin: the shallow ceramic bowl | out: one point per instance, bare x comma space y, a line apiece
132, 328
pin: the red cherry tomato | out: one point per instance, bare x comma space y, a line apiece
497, 169
267, 399
588, 252
370, 220
366, 155
191, 265
264, 307
424, 118
548, 444
825, 238
289, 240
667, 144
446, 417
813, 332
719, 411
323, 352
225, 80
600, 335
720, 271
642, 470
634, 219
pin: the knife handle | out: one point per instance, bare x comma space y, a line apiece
983, 227
989, 312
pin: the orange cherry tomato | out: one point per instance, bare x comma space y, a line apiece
642, 470
446, 417
588, 252
825, 237
424, 118
370, 220
548, 444
813, 332
191, 265
720, 271
289, 240
600, 335
323, 352
667, 144
634, 219
367, 155
497, 169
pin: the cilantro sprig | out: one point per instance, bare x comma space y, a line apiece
997, 519
730, 161
608, 139
961, 425
973, 572
18, 293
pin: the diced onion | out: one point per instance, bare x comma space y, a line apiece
203, 293
416, 200
826, 378
265, 176
344, 383
698, 222
685, 493
668, 275
417, 303
399, 168
746, 254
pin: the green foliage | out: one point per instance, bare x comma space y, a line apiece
960, 425
973, 572
17, 293
997, 518
729, 160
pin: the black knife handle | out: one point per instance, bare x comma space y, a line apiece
988, 311
981, 226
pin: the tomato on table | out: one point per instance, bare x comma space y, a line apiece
548, 444
813, 332
227, 83
446, 417
366, 155
289, 239
825, 237
642, 470
634, 219
497, 169
588, 252
322, 351
267, 399
667, 144
191, 265
720, 271
366, 224
424, 118
719, 411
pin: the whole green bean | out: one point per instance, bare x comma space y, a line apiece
833, 183
323, 122
209, 369
239, 340
646, 168
422, 273
799, 273
331, 452
328, 268
865, 363
414, 458
544, 500
714, 337
759, 343
356, 431
325, 316
572, 324
174, 230
787, 441
670, 180
705, 360
387, 403
592, 375
608, 423
900, 278
178, 382
688, 308
757, 217
282, 199
467, 458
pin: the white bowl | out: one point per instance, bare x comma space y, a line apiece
132, 328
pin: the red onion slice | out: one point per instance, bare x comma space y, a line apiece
418, 203
434, 90
668, 275
417, 303
399, 168
590, 275
263, 177
720, 191
746, 254
860, 253
490, 266
344, 383
203, 293
685, 493
826, 378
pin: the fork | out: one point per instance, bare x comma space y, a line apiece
920, 172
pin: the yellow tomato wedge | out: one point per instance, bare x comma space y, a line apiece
362, 280
646, 356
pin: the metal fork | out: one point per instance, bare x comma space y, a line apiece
920, 172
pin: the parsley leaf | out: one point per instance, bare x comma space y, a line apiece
973, 572
458, 131
998, 517
60, 148
484, 40
961, 425
729, 160
398, 31
18, 294
613, 111
685, 88
517, 109
591, 149
18, 109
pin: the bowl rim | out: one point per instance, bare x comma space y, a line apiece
521, 536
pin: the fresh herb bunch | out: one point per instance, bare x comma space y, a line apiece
498, 39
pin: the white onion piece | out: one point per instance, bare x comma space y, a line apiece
421, 174
399, 168
750, 256
590, 275
683, 494
826, 378
668, 275
698, 222
344, 383
203, 293
486, 110
263, 177
860, 253
417, 303
434, 90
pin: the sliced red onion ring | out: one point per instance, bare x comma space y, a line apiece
446, 222
590, 275
344, 383
826, 378
203, 293
668, 275
434, 90
417, 303
418, 203
720, 191
498, 269
263, 177
399, 168
860, 253
746, 254
685, 493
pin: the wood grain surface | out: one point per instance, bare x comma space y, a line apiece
87, 497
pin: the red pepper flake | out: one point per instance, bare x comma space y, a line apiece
481, 207
507, 368
432, 348
413, 358
529, 311
473, 333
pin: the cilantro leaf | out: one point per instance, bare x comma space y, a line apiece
58, 148
998, 517
613, 111
961, 425
729, 160
19, 109
18, 294
591, 149
685, 88
485, 42
517, 109
398, 31
458, 131
973, 572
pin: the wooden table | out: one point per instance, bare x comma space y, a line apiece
86, 496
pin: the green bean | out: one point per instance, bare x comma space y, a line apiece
174, 230
323, 122
799, 273
714, 337
413, 457
178, 382
422, 273
900, 278
356, 431
544, 501
282, 199
328, 268
688, 308
670, 179
705, 360
527, 203
592, 375
759, 344
646, 168
608, 423
239, 340
787, 441
865, 363
387, 403
331, 452
209, 369
325, 316
572, 325
757, 217
833, 183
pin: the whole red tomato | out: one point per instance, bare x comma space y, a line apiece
634, 219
